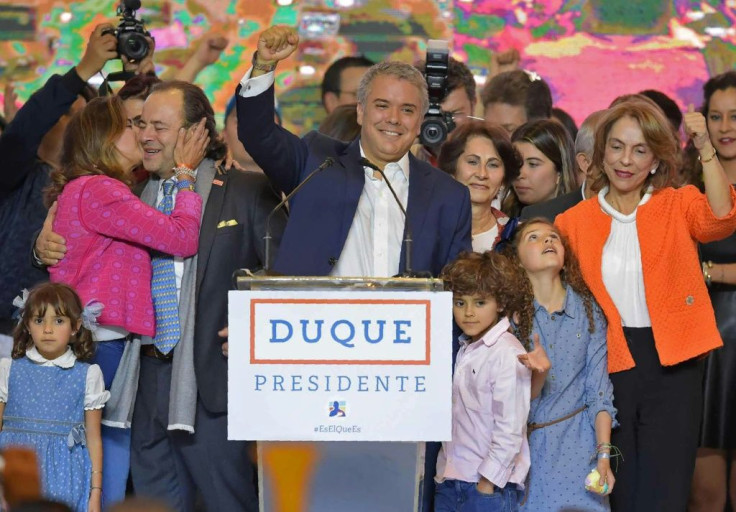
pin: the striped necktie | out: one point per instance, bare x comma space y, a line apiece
163, 286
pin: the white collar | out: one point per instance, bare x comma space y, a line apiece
493, 334
391, 171
613, 212
65, 360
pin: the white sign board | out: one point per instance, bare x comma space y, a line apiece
336, 365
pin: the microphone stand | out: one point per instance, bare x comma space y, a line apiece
407, 228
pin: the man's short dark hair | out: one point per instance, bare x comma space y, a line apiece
668, 106
196, 106
458, 75
331, 80
138, 87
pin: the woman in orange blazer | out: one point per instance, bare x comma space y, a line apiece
636, 242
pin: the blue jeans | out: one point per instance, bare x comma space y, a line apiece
115, 441
459, 496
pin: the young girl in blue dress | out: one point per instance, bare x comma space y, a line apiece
572, 411
52, 402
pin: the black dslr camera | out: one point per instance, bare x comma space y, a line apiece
131, 33
437, 124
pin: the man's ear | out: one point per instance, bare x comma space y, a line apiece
330, 101
583, 163
359, 111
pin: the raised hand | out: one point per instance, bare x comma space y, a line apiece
696, 128
100, 48
50, 247
209, 50
277, 43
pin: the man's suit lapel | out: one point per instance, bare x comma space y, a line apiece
213, 196
420, 194
353, 185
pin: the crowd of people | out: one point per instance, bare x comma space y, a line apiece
592, 273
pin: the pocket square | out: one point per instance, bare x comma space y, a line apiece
226, 223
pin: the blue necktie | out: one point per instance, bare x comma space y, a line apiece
163, 287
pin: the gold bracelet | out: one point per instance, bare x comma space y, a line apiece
707, 265
710, 158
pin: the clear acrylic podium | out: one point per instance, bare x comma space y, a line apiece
339, 475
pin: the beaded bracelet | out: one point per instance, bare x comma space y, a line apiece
178, 171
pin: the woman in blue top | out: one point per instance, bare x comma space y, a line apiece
572, 410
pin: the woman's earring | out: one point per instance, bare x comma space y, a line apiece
654, 169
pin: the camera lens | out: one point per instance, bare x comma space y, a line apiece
133, 45
433, 132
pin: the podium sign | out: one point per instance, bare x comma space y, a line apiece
339, 365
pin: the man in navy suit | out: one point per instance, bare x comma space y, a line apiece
345, 221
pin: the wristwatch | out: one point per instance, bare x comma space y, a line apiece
266, 68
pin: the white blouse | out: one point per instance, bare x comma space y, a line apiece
621, 265
95, 395
483, 242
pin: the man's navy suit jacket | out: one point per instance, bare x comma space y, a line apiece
322, 212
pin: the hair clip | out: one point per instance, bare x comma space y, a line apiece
533, 76
20, 303
91, 311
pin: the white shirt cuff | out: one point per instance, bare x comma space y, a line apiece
255, 86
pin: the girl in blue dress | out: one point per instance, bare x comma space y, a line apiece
52, 402
572, 411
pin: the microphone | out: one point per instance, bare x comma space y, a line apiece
267, 237
407, 229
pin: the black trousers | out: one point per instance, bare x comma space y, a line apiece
171, 465
659, 410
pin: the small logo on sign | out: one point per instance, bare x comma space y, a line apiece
337, 409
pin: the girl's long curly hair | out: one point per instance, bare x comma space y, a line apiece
570, 272
491, 274
65, 302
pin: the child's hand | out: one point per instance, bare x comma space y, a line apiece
95, 501
604, 469
536, 360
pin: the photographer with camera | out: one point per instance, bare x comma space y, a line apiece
452, 100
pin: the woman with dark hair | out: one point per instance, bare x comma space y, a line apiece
547, 165
636, 243
109, 232
712, 486
481, 157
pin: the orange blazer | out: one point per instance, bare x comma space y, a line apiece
669, 225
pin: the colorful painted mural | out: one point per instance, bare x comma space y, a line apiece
588, 50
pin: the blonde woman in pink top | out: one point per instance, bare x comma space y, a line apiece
109, 232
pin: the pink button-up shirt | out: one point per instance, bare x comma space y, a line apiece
490, 405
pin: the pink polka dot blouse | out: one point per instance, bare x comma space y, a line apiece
109, 232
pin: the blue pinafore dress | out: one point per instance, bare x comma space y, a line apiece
45, 412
